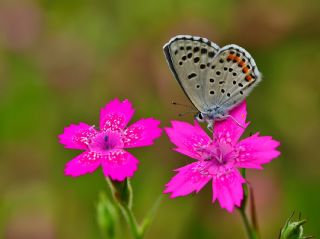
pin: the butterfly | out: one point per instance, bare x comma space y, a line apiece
214, 79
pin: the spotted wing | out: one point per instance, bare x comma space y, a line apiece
233, 75
189, 59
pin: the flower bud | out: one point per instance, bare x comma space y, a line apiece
121, 192
293, 229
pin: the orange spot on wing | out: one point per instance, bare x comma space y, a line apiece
237, 58
245, 69
230, 57
241, 64
248, 77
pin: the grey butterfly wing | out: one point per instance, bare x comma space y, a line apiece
234, 74
189, 59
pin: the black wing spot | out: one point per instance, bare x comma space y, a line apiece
225, 68
234, 82
241, 92
208, 64
196, 59
211, 92
198, 86
196, 49
228, 94
221, 82
218, 73
203, 51
234, 74
181, 48
192, 75
211, 80
221, 60
189, 48
222, 90
213, 66
211, 54
189, 55
176, 52
202, 66
184, 58
230, 69
180, 63
238, 54
240, 84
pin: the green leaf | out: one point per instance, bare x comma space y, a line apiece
150, 216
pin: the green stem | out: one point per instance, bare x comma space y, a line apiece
250, 231
122, 195
131, 220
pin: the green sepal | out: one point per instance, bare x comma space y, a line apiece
121, 192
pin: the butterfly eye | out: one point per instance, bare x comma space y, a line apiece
199, 117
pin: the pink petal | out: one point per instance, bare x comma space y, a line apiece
189, 179
189, 139
119, 164
141, 133
87, 162
77, 136
116, 115
257, 150
228, 190
228, 130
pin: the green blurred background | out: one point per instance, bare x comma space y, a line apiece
61, 61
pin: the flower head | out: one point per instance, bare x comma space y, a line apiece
106, 146
218, 159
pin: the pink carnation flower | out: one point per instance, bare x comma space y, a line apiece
218, 158
106, 146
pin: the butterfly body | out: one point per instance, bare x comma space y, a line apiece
214, 79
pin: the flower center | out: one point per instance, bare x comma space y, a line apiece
106, 141
218, 154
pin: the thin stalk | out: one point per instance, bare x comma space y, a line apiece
150, 216
253, 210
250, 231
132, 222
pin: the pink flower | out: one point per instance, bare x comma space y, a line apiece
106, 146
218, 158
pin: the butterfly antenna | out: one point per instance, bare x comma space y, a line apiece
186, 106
186, 113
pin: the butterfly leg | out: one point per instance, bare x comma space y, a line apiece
210, 125
230, 116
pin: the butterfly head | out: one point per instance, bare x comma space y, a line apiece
203, 117
215, 114
200, 117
